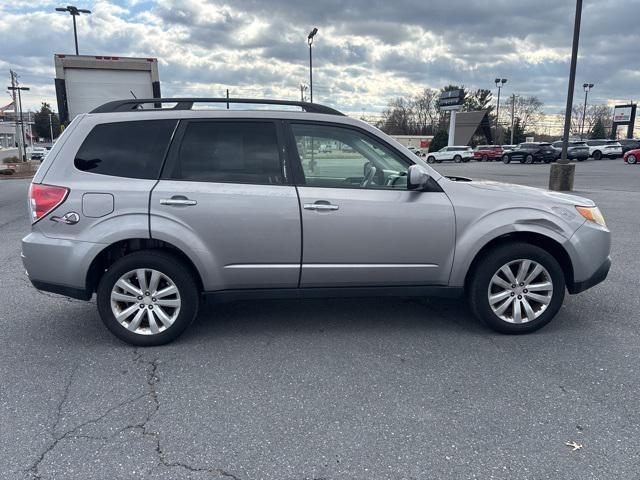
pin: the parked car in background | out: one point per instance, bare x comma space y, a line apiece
599, 148
458, 154
632, 156
530, 152
36, 153
485, 153
416, 150
152, 209
577, 150
629, 144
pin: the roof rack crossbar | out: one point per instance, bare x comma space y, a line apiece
134, 104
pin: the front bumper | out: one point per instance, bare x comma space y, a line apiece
598, 276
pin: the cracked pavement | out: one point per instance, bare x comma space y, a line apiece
329, 389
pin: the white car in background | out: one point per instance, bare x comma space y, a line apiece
459, 153
604, 148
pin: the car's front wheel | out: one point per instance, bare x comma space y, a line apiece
528, 159
516, 288
457, 159
597, 155
631, 160
506, 159
431, 159
147, 298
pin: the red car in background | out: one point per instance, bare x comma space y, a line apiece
632, 156
486, 153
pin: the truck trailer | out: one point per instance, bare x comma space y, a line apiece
84, 82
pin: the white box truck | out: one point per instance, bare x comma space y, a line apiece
84, 82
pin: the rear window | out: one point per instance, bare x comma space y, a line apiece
230, 152
126, 149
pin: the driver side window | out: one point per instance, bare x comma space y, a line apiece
340, 157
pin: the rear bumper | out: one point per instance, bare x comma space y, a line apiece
59, 265
598, 276
79, 293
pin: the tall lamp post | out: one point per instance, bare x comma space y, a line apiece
24, 141
74, 12
587, 87
499, 83
562, 172
312, 34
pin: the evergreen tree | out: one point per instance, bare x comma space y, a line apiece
598, 130
440, 139
41, 122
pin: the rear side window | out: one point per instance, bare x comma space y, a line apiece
126, 149
229, 152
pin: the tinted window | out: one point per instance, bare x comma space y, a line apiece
126, 149
354, 160
231, 152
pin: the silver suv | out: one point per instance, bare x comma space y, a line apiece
152, 209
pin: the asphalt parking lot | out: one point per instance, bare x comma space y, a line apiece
329, 389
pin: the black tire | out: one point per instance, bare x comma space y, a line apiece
489, 264
431, 159
457, 159
597, 155
528, 159
506, 158
580, 159
165, 263
485, 158
632, 160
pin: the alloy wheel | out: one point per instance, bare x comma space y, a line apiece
520, 291
145, 301
632, 159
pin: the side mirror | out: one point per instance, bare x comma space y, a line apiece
417, 178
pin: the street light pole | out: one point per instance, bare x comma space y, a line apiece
51, 127
587, 87
312, 34
513, 109
499, 83
74, 12
562, 173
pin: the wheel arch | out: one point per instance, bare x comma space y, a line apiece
533, 238
121, 248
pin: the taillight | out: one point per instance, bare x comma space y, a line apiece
44, 198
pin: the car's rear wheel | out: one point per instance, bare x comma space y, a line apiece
147, 298
528, 159
506, 159
517, 288
431, 159
597, 155
457, 159
485, 158
631, 159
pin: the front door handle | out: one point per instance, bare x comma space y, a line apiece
178, 200
320, 206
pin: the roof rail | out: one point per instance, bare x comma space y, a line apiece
187, 104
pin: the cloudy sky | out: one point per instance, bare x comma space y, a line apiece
366, 51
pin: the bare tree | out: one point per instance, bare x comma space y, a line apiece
425, 110
594, 113
528, 110
398, 119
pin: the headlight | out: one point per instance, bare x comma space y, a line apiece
593, 214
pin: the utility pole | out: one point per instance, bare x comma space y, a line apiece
15, 86
17, 136
51, 127
562, 173
303, 88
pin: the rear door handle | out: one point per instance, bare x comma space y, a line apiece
178, 200
320, 206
